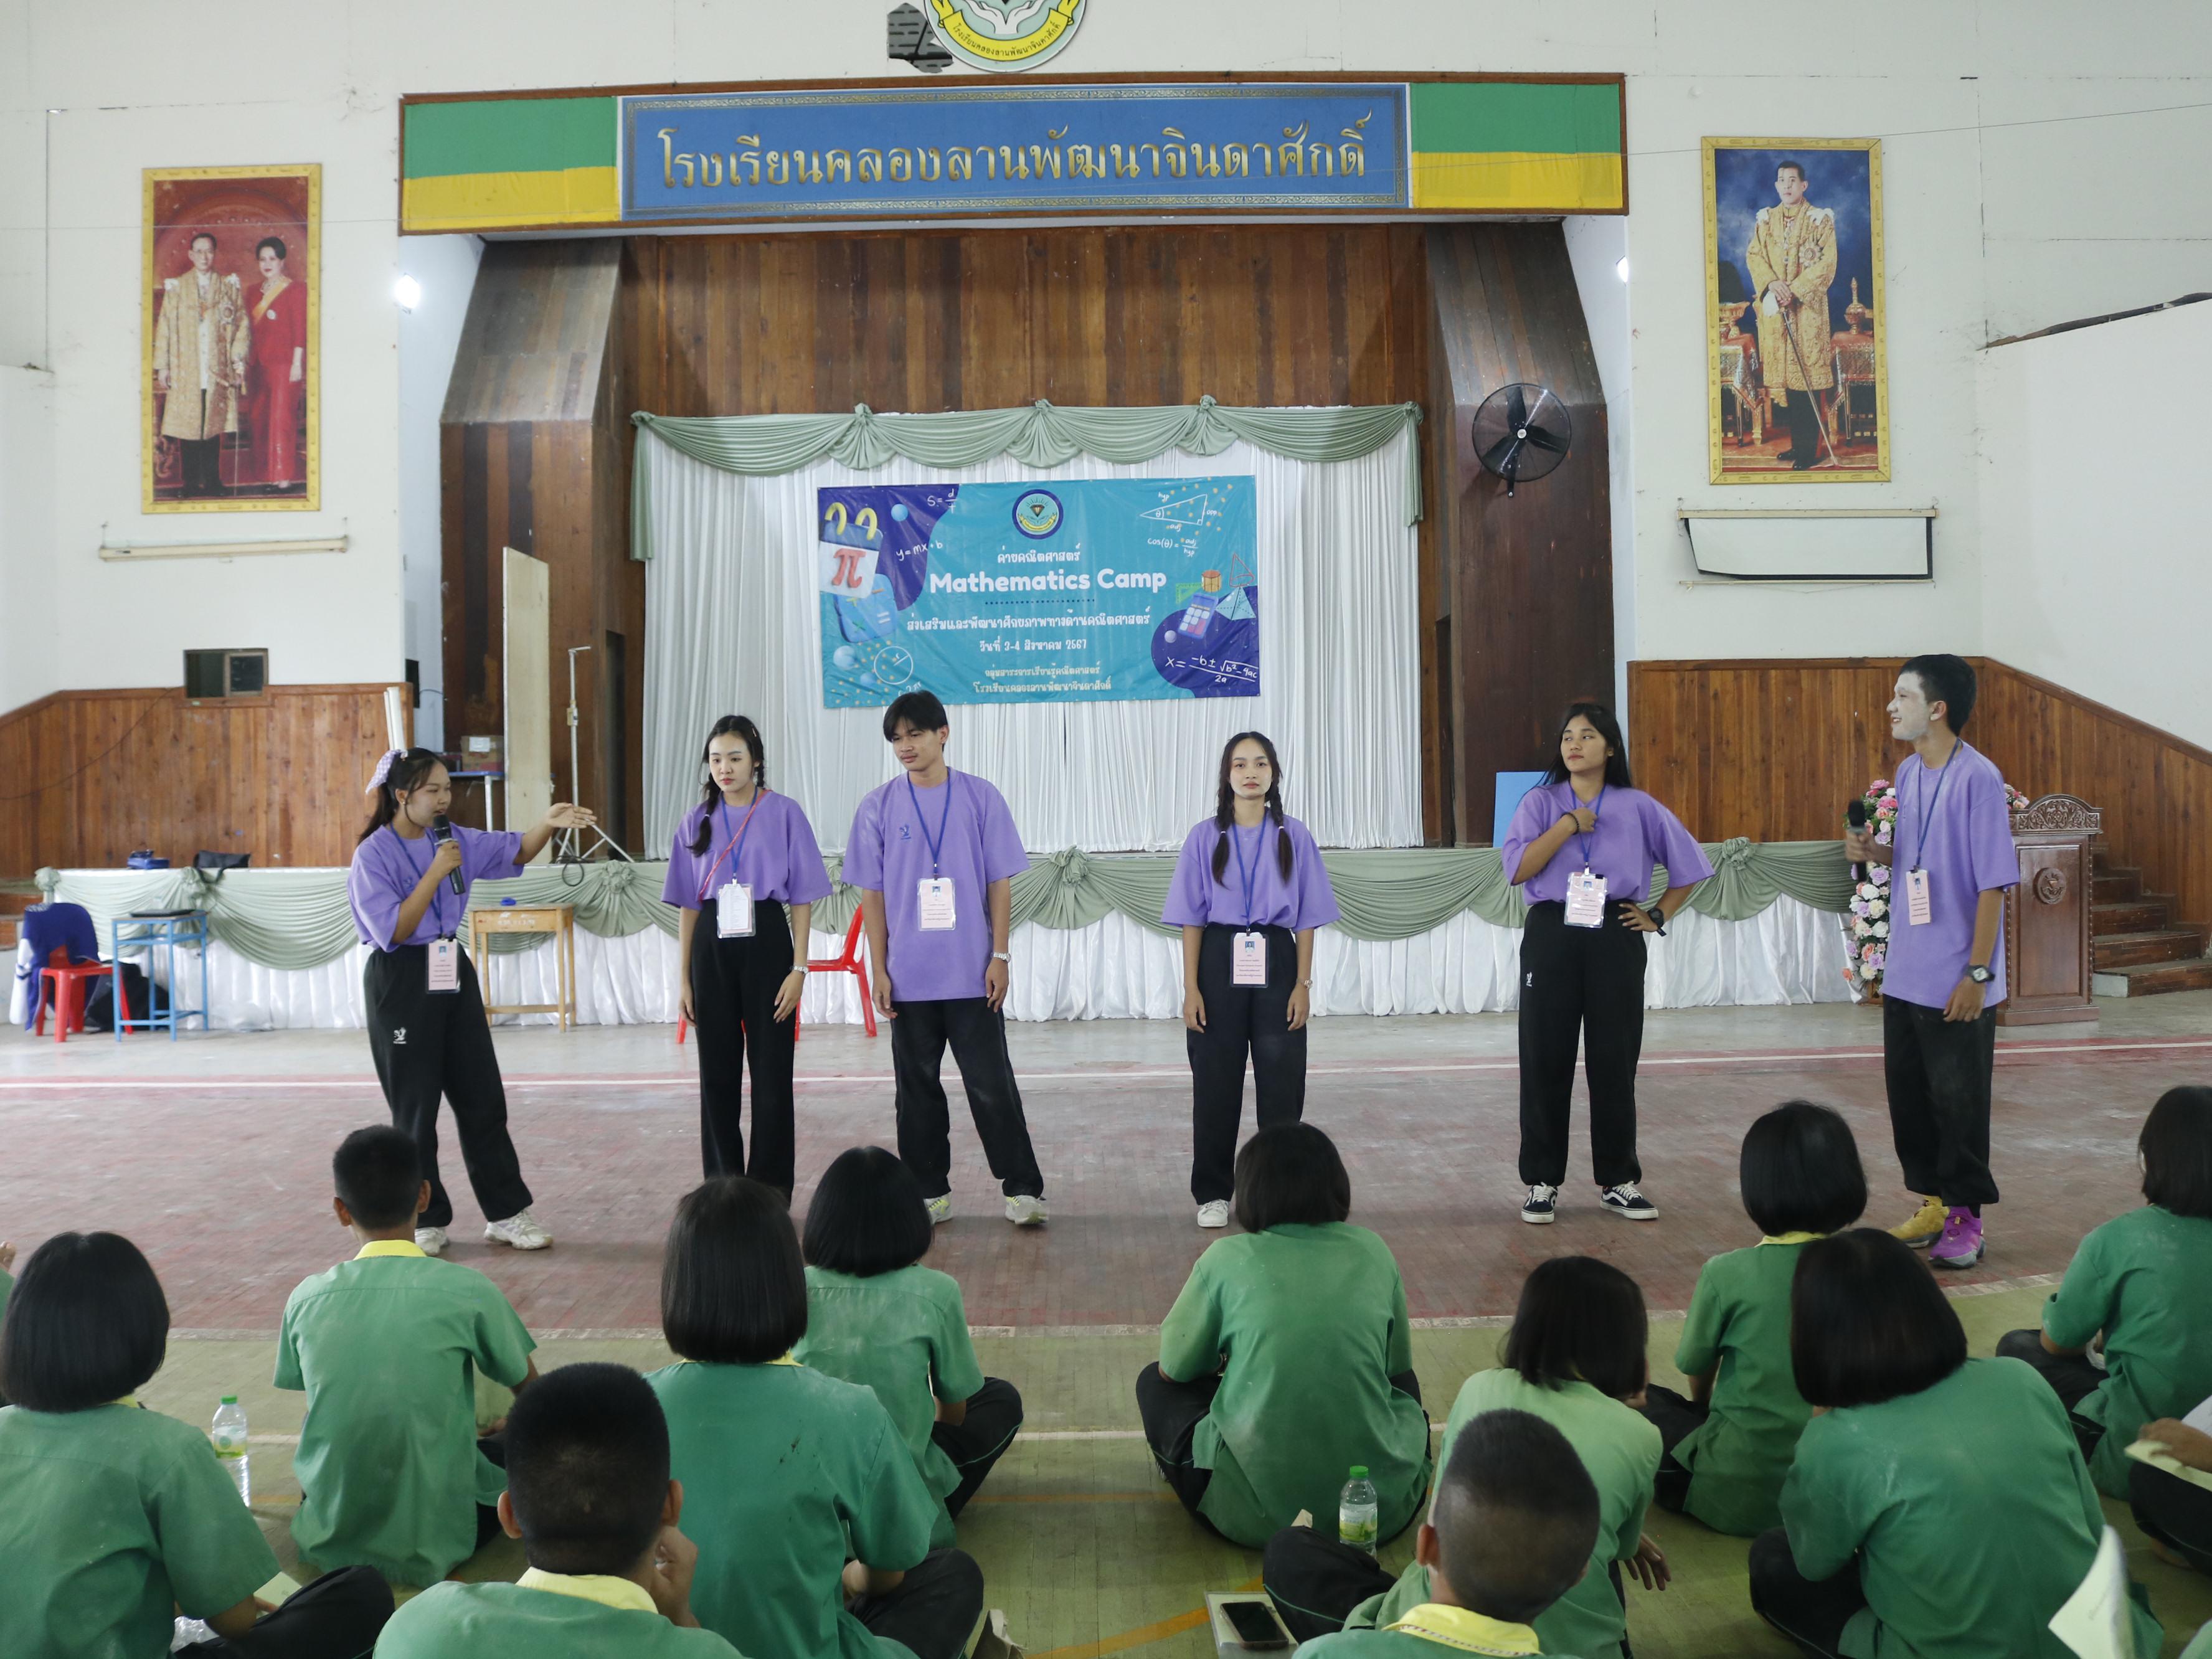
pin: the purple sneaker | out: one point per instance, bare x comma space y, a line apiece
1961, 1244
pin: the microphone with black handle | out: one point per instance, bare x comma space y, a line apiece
440, 830
1855, 815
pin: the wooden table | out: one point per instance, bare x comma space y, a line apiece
558, 920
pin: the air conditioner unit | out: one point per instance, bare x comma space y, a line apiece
226, 673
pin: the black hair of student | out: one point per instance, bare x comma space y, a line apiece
1867, 1323
1579, 1319
379, 1173
920, 709
587, 1469
1948, 680
1800, 1171
1792, 164
407, 773
86, 1324
1225, 807
1616, 763
2176, 1145
1289, 1175
277, 242
1516, 1517
709, 791
867, 1216
732, 1284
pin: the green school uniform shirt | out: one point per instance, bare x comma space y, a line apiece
1619, 1448
1738, 1329
2144, 1279
903, 1333
387, 1346
1424, 1631
786, 1474
1970, 1509
110, 1519
548, 1615
1311, 1322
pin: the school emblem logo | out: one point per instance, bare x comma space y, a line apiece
1005, 35
1038, 513
399, 1037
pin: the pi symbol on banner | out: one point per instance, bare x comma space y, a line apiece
849, 543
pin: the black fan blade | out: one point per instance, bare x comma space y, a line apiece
1543, 440
1517, 411
1498, 454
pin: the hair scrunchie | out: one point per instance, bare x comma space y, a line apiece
384, 767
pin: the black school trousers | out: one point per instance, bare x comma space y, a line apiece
933, 1611
977, 1034
339, 1616
734, 983
1579, 987
429, 1044
1938, 1076
1241, 1019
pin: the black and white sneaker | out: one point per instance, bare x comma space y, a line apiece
1537, 1208
1627, 1203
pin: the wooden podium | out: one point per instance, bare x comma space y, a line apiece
2047, 963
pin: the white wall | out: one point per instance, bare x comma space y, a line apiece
28, 650
2098, 559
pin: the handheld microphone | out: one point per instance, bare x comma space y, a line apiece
1855, 816
442, 830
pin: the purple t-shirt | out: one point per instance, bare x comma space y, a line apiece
888, 853
1633, 833
777, 857
1195, 898
387, 865
1956, 825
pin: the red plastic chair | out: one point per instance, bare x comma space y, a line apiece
848, 962
67, 981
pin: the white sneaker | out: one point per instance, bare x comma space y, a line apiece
521, 1230
1027, 1210
940, 1209
431, 1241
1214, 1214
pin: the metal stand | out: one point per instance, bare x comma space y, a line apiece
569, 845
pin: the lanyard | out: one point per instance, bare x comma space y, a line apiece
730, 848
1582, 839
1930, 802
937, 842
1237, 840
437, 893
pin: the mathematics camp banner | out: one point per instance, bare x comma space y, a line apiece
1087, 590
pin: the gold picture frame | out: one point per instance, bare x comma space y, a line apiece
254, 444
1746, 396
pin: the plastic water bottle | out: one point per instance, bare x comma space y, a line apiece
230, 1445
1358, 1511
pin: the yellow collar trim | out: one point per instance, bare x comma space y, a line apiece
786, 1360
1467, 1629
389, 1247
1791, 1238
602, 1588
129, 1400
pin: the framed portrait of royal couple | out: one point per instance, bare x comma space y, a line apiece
231, 380
1796, 331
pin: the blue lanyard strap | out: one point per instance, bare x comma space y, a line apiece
1247, 873
1931, 801
937, 842
730, 849
1582, 839
437, 893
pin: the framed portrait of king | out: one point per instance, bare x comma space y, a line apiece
1796, 334
230, 385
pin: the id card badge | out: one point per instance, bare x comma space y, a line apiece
1585, 899
1248, 959
733, 910
933, 903
444, 964
1917, 909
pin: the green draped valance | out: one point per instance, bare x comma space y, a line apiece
1041, 435
293, 919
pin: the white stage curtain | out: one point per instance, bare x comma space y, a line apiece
731, 626
1112, 969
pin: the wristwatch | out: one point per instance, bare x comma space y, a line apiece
1979, 974
1658, 919
1000, 956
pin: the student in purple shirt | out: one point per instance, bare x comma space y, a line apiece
1581, 847
934, 853
739, 857
1952, 861
1248, 892
426, 1028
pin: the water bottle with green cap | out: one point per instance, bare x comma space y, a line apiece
1358, 1511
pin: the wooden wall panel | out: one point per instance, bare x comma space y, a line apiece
101, 774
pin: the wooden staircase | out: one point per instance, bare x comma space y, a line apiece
2137, 948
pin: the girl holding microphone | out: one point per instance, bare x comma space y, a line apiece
1248, 892
1581, 847
740, 857
426, 1028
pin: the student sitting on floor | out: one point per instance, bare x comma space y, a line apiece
1729, 1445
1939, 1506
1574, 1357
802, 1492
115, 1516
876, 1315
2144, 1280
386, 1345
1288, 1357
2176, 1515
1510, 1531
588, 1494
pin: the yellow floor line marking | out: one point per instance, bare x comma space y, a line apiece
1143, 1636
